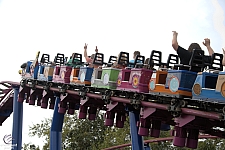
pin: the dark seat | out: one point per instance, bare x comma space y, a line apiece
196, 63
45, 58
138, 62
59, 59
123, 59
216, 62
112, 60
155, 58
98, 59
172, 60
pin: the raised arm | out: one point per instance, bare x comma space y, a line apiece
96, 49
206, 42
223, 62
174, 41
85, 50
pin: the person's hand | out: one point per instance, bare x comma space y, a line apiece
223, 51
206, 42
96, 49
85, 46
175, 33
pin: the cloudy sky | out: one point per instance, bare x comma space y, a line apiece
28, 26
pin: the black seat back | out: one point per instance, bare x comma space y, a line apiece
98, 59
45, 58
216, 62
139, 61
112, 60
196, 62
156, 58
123, 59
172, 60
59, 59
76, 59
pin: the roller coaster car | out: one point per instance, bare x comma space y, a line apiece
32, 68
97, 78
45, 71
179, 82
85, 73
50, 67
209, 86
109, 75
76, 60
61, 72
124, 74
158, 79
134, 79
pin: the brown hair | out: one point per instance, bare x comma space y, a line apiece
136, 53
92, 56
194, 46
147, 61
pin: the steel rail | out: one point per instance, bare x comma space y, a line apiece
157, 140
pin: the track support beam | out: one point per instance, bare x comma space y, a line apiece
17, 121
56, 128
137, 140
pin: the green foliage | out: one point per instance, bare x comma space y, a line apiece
116, 136
209, 144
82, 134
30, 146
76, 134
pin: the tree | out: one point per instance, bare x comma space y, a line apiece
30, 146
116, 136
76, 133
82, 134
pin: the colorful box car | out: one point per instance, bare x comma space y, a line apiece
134, 79
158, 79
62, 73
97, 73
106, 77
75, 62
85, 73
32, 68
179, 82
45, 71
209, 86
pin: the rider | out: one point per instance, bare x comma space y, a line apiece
185, 55
90, 59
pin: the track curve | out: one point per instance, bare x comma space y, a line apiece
6, 99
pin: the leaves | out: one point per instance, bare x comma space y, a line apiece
30, 146
82, 134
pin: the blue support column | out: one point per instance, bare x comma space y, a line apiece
56, 128
137, 140
17, 121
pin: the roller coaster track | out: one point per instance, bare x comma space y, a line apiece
156, 140
113, 102
6, 99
